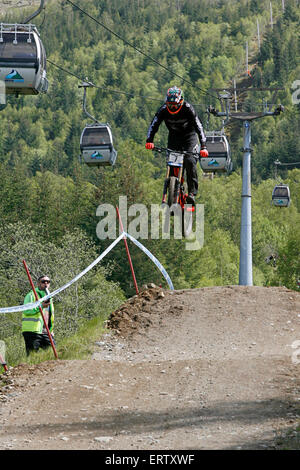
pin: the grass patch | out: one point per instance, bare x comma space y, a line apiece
290, 439
78, 346
81, 345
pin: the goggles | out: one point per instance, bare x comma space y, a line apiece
174, 107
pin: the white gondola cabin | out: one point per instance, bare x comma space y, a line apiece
281, 196
22, 60
96, 145
219, 158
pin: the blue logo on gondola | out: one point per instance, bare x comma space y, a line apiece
15, 77
96, 155
213, 163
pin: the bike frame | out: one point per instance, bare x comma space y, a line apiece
174, 195
178, 172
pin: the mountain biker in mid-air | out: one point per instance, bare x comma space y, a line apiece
183, 125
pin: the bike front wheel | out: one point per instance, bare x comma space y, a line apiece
172, 191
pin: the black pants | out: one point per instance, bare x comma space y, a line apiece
190, 164
35, 341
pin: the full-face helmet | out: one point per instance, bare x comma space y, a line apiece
174, 99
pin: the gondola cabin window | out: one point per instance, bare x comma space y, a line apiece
216, 147
280, 192
17, 47
95, 137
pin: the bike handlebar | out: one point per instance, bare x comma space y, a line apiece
167, 150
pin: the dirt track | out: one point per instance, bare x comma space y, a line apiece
210, 368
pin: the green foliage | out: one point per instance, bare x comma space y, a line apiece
49, 200
78, 345
289, 260
92, 296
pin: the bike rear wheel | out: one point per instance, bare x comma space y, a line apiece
187, 222
187, 211
179, 209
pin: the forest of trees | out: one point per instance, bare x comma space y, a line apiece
49, 198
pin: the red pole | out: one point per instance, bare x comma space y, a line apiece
128, 253
41, 310
3, 363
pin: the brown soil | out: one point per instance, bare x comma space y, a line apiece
209, 368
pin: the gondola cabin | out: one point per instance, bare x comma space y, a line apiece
22, 60
281, 196
96, 145
219, 159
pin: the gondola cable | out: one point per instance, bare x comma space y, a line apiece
100, 87
140, 51
109, 89
72, 74
288, 164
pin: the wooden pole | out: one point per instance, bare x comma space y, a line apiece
128, 253
41, 310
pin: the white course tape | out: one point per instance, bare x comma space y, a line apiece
155, 260
22, 308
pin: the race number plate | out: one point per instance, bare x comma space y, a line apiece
175, 159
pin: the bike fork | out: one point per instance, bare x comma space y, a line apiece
178, 183
166, 185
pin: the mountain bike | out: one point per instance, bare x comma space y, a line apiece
175, 190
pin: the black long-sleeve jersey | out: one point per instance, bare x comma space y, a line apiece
183, 127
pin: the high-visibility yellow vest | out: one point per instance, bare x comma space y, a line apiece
32, 319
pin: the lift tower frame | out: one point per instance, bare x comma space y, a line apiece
245, 266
